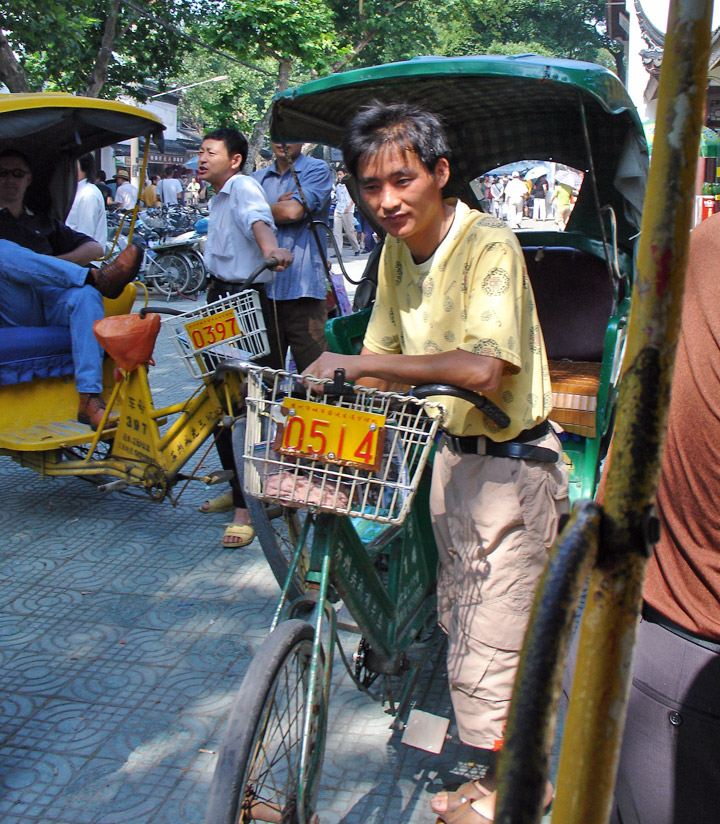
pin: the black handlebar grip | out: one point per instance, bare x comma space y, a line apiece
270, 263
159, 310
487, 407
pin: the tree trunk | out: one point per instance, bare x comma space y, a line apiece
261, 127
12, 73
104, 55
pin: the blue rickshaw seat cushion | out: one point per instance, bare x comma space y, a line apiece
27, 353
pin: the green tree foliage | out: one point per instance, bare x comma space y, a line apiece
561, 28
93, 47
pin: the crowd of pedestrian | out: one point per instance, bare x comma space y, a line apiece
513, 198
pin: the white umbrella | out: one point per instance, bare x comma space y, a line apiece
568, 178
536, 172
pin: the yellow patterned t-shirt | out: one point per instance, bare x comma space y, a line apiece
476, 296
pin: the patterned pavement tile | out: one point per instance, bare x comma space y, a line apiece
20, 630
117, 608
46, 602
185, 804
15, 709
66, 638
37, 673
70, 727
114, 683
23, 570
32, 780
152, 647
220, 653
187, 614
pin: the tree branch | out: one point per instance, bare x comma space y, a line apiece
11, 72
261, 127
367, 37
104, 55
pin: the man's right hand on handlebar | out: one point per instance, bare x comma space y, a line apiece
283, 256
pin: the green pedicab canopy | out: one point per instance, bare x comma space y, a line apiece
498, 110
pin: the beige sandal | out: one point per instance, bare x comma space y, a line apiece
469, 791
223, 503
237, 535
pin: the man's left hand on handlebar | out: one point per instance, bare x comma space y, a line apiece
324, 367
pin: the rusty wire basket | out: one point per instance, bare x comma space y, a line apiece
359, 454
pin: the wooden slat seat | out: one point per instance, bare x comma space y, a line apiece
575, 386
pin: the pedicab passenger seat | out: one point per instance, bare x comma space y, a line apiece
574, 298
28, 353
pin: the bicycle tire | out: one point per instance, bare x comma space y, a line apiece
198, 274
169, 273
278, 528
258, 769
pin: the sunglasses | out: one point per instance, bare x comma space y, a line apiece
18, 174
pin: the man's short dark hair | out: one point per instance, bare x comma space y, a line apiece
87, 166
408, 127
101, 176
15, 153
169, 171
235, 141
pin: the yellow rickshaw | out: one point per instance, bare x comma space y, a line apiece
38, 399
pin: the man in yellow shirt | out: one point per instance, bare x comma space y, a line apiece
150, 196
454, 305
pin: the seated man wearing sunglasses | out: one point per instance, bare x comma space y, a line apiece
46, 279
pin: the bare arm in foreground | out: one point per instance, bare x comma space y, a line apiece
479, 373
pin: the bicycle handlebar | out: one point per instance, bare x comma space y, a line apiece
270, 263
160, 310
486, 406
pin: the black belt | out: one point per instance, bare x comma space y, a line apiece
518, 447
654, 617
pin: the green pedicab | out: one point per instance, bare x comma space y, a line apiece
327, 541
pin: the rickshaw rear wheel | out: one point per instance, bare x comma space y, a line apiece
257, 776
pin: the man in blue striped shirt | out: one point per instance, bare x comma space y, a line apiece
299, 292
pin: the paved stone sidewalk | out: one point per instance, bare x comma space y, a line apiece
125, 631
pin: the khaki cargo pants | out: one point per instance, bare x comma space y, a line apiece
494, 520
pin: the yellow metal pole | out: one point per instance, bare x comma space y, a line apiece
596, 716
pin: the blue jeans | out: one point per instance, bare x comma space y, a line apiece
40, 290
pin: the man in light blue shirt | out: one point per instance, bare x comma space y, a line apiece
298, 293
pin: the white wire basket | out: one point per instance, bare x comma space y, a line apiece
232, 328
360, 455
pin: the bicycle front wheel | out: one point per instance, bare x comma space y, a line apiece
169, 273
261, 774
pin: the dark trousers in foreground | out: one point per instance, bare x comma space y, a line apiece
669, 771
